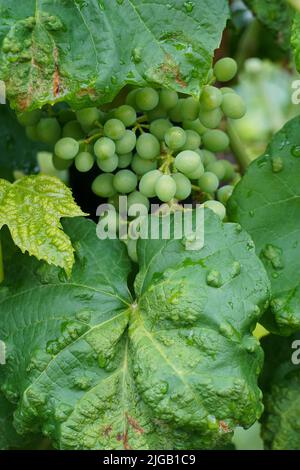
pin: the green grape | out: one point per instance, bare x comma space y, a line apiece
215, 140
147, 98
103, 185
30, 119
208, 157
87, 117
148, 146
127, 143
137, 198
104, 148
126, 114
217, 208
125, 160
109, 164
236, 178
183, 186
125, 181
187, 161
226, 89
31, 133
217, 168
193, 140
175, 138
84, 162
159, 127
208, 182
195, 125
233, 106
60, 164
211, 98
225, 69
211, 119
66, 115
168, 99
225, 193
114, 129
195, 175
229, 170
48, 131
141, 166
190, 108
132, 250
148, 182
157, 113
73, 129
175, 113
130, 99
165, 188
66, 148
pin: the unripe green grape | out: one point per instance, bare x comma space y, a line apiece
233, 106
225, 69
195, 175
73, 129
217, 168
125, 181
103, 185
87, 117
168, 99
175, 138
229, 170
211, 98
132, 250
84, 162
60, 164
211, 119
109, 164
183, 186
225, 90
187, 161
130, 98
114, 129
125, 160
208, 157
159, 127
126, 114
193, 140
190, 108
217, 208
175, 113
148, 182
208, 182
157, 113
195, 125
66, 115
165, 188
31, 133
224, 194
104, 148
147, 98
137, 198
30, 118
66, 148
236, 178
215, 140
48, 131
141, 166
148, 146
127, 143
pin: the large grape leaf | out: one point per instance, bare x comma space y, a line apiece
280, 382
267, 204
32, 208
175, 368
83, 52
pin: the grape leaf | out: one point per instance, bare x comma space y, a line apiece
280, 382
85, 52
176, 367
31, 208
296, 40
267, 204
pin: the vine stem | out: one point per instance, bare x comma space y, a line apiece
1, 265
238, 147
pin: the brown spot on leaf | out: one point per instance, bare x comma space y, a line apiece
107, 430
224, 427
134, 424
170, 68
56, 77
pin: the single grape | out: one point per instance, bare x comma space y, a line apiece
137, 198
130, 99
159, 127
48, 131
225, 69
125, 181
224, 194
125, 160
141, 166
193, 140
233, 106
148, 182
127, 143
165, 188
226, 89
187, 161
195, 125
30, 119
157, 113
132, 250
147, 98
103, 185
31, 133
183, 186
215, 140
87, 117
148, 146
114, 129
104, 148
211, 119
175, 113
190, 108
217, 208
66, 148
168, 99
126, 114
84, 162
74, 130
175, 138
229, 170
109, 164
195, 175
217, 168
208, 182
208, 157
211, 98
60, 164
